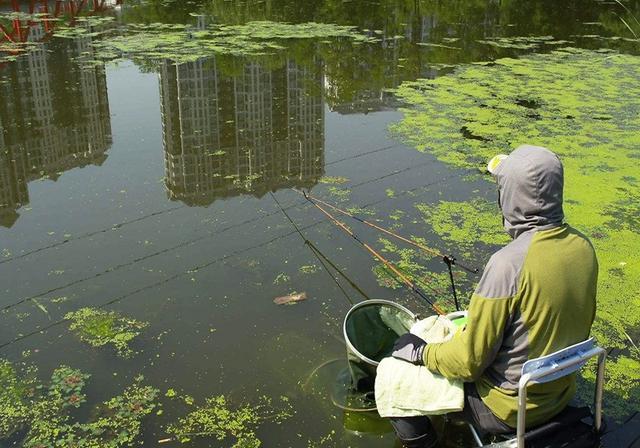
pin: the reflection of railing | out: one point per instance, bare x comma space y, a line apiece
20, 30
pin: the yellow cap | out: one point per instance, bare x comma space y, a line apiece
495, 162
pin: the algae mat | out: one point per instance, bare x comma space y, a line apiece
584, 105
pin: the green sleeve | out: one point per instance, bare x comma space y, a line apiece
474, 347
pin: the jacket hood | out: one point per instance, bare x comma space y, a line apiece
530, 181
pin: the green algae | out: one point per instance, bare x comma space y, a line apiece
15, 393
42, 413
10, 51
91, 26
281, 278
333, 180
217, 419
585, 106
522, 42
622, 380
464, 224
361, 211
99, 328
415, 265
341, 194
182, 43
309, 269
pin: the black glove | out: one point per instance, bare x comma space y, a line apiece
410, 348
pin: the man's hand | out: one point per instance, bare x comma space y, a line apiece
410, 348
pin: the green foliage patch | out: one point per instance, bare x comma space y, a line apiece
414, 264
181, 43
15, 394
585, 106
43, 412
464, 224
217, 419
99, 328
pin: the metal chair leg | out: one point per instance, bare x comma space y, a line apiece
475, 434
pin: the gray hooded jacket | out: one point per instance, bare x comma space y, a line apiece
536, 295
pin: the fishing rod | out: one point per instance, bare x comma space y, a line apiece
320, 256
412, 286
449, 260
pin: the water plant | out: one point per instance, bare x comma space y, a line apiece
464, 224
233, 425
183, 43
585, 106
309, 269
98, 328
522, 42
333, 180
416, 265
15, 394
41, 413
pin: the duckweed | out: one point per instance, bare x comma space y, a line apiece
333, 180
464, 224
182, 43
217, 419
522, 42
585, 106
42, 413
414, 264
99, 328
15, 393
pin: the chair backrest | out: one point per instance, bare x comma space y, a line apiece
556, 365
561, 363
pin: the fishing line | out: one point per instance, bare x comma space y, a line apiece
339, 271
90, 234
321, 256
163, 251
393, 173
415, 289
449, 260
429, 250
363, 154
135, 260
156, 213
187, 243
161, 282
410, 190
309, 244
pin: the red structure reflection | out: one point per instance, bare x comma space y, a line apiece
50, 10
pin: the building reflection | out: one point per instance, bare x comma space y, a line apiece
250, 132
54, 116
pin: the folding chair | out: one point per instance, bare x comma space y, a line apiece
546, 369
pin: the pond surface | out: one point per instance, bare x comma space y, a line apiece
163, 192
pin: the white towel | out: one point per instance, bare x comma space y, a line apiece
406, 390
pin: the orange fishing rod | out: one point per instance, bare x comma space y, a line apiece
412, 286
447, 258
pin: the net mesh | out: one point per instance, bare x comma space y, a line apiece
373, 329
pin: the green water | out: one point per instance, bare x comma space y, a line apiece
153, 190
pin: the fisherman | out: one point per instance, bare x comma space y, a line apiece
537, 295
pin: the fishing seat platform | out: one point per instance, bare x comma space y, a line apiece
572, 428
568, 428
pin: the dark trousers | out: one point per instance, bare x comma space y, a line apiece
418, 432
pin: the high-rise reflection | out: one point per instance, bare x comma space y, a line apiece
54, 116
252, 131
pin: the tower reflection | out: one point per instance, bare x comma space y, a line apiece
54, 116
254, 130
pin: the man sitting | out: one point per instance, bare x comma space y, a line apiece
537, 295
